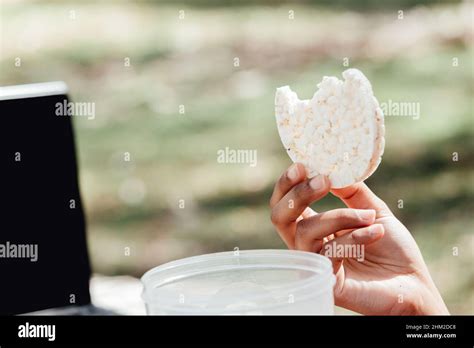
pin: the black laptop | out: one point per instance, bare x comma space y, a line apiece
43, 252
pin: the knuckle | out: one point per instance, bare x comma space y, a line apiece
275, 217
283, 181
302, 229
304, 192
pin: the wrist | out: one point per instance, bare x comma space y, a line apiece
421, 299
429, 302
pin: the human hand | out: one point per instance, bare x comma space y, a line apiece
390, 279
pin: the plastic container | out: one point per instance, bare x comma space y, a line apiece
242, 282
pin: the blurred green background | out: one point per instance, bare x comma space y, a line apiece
189, 64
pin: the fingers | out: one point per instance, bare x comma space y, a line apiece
361, 197
293, 175
338, 249
368, 235
286, 212
310, 232
294, 203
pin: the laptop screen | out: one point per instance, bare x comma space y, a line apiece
43, 252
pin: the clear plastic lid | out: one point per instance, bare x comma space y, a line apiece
223, 282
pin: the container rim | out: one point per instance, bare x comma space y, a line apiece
324, 271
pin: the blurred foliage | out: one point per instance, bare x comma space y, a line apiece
337, 4
190, 62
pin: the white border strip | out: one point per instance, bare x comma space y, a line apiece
33, 90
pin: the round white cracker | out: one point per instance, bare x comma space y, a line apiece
339, 132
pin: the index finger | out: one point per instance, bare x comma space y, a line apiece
295, 174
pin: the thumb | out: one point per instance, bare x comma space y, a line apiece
361, 197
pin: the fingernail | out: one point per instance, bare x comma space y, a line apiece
293, 172
361, 233
366, 215
317, 183
373, 230
370, 232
